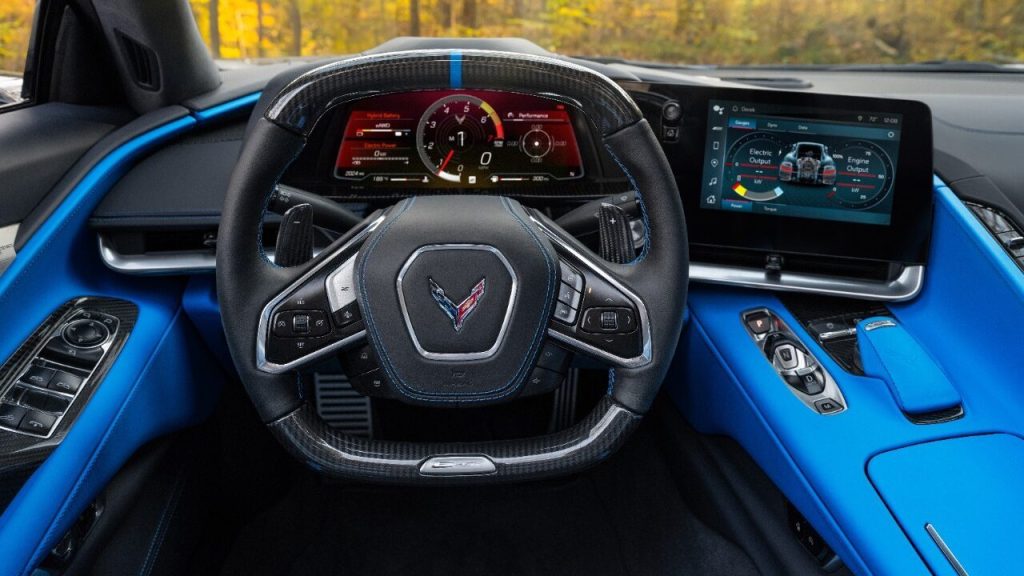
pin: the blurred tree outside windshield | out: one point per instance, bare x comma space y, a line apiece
725, 32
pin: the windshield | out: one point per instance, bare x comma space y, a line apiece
694, 32
719, 32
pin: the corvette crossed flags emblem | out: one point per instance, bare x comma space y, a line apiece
458, 313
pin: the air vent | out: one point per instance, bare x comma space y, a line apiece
141, 61
341, 407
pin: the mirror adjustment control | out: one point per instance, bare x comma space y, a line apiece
794, 363
85, 333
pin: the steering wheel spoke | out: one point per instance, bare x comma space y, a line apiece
596, 313
318, 313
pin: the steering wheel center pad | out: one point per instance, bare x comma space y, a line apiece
456, 292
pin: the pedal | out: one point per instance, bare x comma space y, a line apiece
563, 410
341, 407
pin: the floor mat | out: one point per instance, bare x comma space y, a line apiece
623, 517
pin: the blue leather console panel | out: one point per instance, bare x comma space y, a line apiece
888, 352
968, 489
164, 378
724, 385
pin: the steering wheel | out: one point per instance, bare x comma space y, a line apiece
457, 295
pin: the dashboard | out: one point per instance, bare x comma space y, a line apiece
834, 185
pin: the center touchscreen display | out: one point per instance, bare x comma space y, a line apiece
778, 160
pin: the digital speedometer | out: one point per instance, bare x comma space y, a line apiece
456, 138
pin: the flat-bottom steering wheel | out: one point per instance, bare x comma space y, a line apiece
458, 296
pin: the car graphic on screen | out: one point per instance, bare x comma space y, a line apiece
808, 163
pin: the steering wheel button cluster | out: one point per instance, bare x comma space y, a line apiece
570, 276
301, 323
567, 295
565, 313
347, 315
609, 320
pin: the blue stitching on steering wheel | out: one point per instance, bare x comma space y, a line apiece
643, 208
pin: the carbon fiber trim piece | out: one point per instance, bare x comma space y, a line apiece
336, 454
305, 100
18, 450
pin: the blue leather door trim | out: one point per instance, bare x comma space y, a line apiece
967, 317
164, 378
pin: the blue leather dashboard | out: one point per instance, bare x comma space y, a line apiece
164, 378
724, 385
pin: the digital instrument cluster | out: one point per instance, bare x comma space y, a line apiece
458, 138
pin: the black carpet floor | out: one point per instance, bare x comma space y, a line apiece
624, 517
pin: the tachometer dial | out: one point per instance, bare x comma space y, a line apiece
456, 137
864, 175
752, 167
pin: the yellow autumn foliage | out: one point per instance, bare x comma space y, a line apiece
738, 32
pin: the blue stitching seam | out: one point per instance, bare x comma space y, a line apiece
37, 555
643, 208
161, 531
